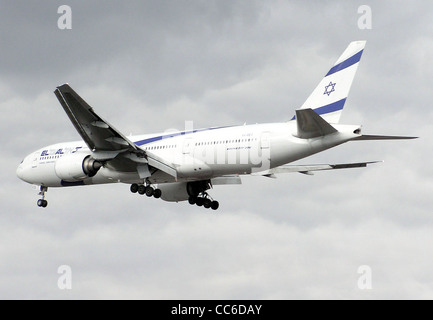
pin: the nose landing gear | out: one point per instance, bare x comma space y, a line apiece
42, 203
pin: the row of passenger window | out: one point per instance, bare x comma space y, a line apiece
207, 143
171, 146
49, 157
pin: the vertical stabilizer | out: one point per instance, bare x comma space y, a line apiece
330, 95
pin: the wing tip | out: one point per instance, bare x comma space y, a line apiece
63, 86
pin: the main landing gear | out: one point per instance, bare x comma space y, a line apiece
146, 189
42, 203
203, 199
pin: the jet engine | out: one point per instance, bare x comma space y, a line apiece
76, 167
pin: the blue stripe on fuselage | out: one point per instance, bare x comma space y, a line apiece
172, 135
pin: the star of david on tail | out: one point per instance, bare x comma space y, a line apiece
329, 91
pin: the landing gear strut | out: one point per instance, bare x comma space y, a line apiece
147, 189
42, 203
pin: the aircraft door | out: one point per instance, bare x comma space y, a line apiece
188, 146
35, 160
265, 149
264, 141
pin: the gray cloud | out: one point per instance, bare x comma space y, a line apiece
148, 66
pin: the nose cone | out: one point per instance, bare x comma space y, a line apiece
23, 170
20, 172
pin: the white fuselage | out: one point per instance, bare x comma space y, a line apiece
197, 154
183, 165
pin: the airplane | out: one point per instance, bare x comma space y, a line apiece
184, 165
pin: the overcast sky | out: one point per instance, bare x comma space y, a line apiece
148, 66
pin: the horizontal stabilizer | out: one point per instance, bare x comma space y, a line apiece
308, 169
365, 137
311, 125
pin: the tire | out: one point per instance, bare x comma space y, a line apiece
141, 189
215, 205
134, 188
199, 202
42, 203
149, 191
207, 203
157, 193
192, 200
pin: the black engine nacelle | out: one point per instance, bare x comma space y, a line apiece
76, 167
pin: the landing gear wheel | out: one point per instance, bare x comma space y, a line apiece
146, 189
157, 193
207, 203
192, 200
199, 201
42, 203
215, 205
134, 188
149, 191
141, 189
203, 199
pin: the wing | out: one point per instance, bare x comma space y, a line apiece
308, 169
105, 141
98, 134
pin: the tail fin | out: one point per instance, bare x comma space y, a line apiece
329, 97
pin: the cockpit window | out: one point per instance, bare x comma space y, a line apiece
22, 161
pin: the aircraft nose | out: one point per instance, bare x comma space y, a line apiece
20, 172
